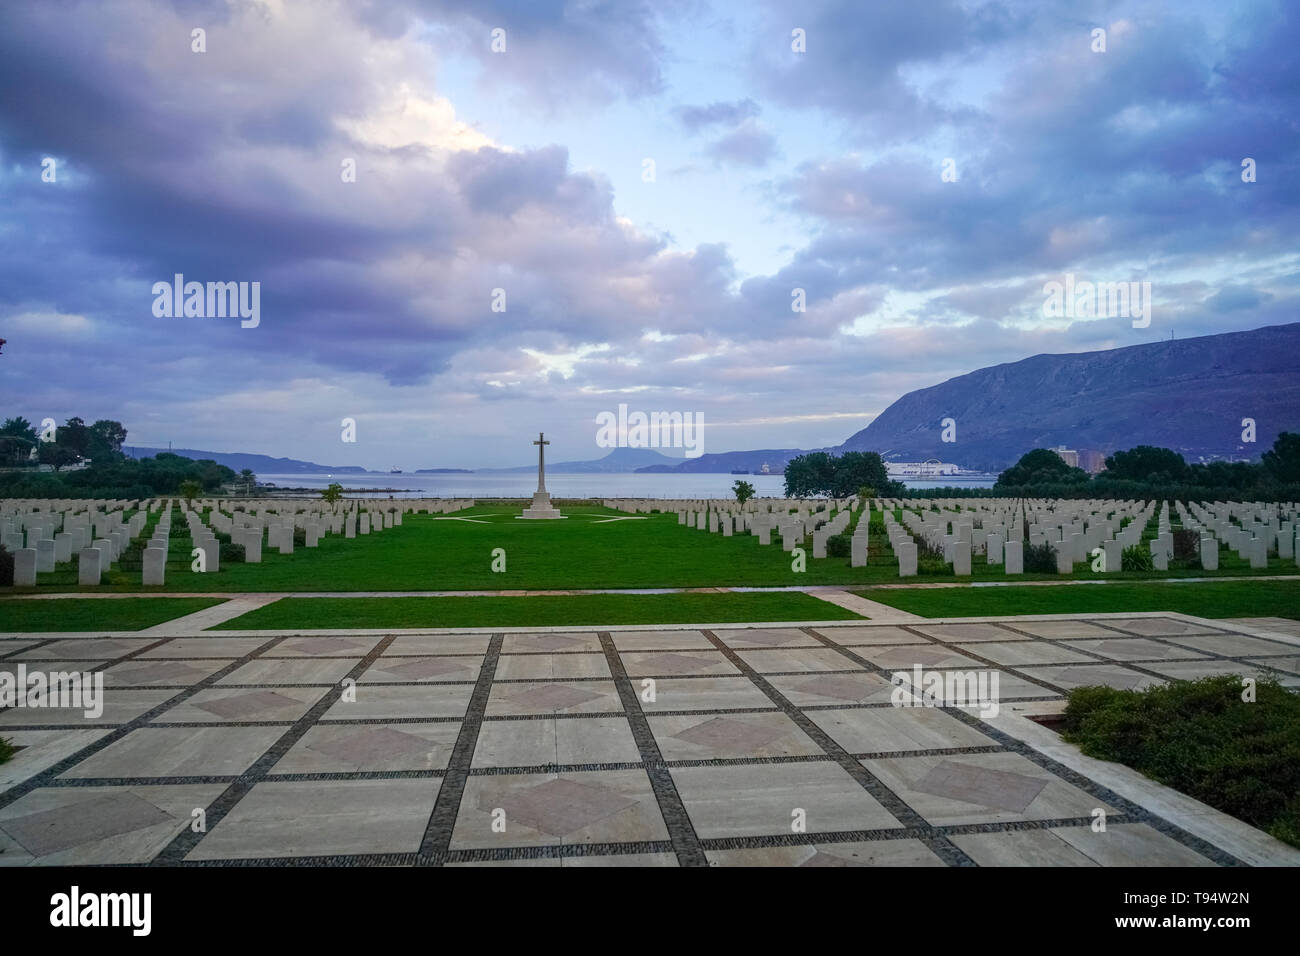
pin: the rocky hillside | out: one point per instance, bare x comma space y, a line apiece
1188, 394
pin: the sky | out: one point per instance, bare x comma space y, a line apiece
561, 207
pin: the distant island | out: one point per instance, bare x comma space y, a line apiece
444, 471
262, 464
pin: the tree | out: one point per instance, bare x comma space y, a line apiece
56, 455
75, 435
1147, 463
249, 479
332, 493
189, 490
1226, 474
743, 490
819, 473
1041, 466
17, 439
809, 474
854, 469
1283, 462
19, 427
104, 440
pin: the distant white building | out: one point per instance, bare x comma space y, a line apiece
921, 469
1067, 455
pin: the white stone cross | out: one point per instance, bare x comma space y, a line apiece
541, 444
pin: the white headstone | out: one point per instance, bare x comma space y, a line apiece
88, 566
1013, 553
25, 568
155, 567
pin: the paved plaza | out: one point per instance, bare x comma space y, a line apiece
653, 746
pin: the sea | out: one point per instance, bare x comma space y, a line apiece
628, 485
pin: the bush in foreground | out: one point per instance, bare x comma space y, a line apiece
1040, 559
839, 546
6, 750
1136, 558
1202, 739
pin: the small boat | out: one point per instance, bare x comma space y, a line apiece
394, 470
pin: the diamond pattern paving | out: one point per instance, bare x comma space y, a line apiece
559, 807
637, 747
424, 667
553, 696
93, 819
249, 706
979, 785
729, 733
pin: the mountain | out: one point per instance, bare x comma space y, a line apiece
723, 462
261, 464
1187, 394
620, 460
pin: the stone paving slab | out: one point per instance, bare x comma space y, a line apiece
771, 745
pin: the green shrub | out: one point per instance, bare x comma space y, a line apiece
6, 750
931, 561
231, 552
1187, 545
837, 546
6, 568
1040, 559
300, 537
132, 556
1136, 557
1202, 739
1187, 549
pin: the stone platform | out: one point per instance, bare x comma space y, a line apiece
545, 748
541, 508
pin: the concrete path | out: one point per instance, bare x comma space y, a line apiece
209, 616
860, 605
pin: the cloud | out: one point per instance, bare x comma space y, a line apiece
377, 295
748, 145
555, 53
696, 118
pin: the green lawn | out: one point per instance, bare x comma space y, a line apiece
585, 550
90, 614
576, 610
1215, 599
